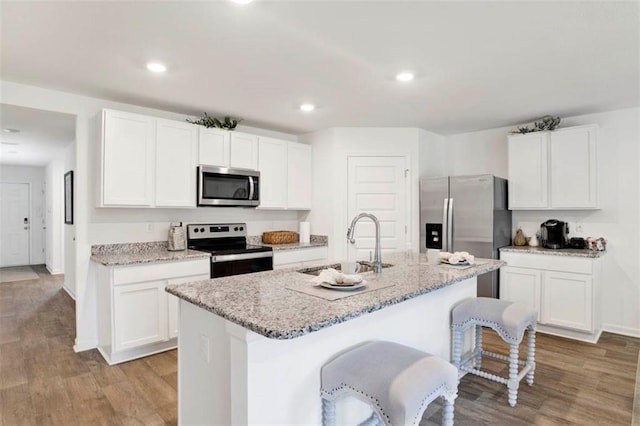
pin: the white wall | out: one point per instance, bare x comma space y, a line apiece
69, 231
96, 226
618, 192
331, 149
477, 153
432, 154
54, 250
35, 176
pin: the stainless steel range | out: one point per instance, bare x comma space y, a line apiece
230, 253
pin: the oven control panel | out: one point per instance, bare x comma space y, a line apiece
216, 230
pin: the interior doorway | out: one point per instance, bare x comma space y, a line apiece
15, 223
377, 185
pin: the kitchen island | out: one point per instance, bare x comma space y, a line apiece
251, 346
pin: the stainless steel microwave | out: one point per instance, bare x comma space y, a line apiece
221, 186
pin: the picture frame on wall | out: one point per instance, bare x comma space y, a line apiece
68, 198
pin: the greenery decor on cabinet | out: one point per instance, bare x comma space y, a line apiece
547, 122
227, 123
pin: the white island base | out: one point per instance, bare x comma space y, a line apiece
229, 375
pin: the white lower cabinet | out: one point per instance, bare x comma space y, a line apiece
139, 315
567, 300
136, 316
521, 285
563, 289
298, 257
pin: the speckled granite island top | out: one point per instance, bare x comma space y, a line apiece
260, 302
553, 252
132, 253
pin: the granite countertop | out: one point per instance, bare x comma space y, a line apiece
132, 253
554, 252
261, 302
314, 241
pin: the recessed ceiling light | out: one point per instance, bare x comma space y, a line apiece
404, 76
8, 130
242, 1
156, 67
307, 107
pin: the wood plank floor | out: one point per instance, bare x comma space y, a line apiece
42, 381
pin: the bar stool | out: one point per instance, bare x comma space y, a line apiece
509, 320
397, 381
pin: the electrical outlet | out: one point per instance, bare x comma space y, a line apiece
204, 348
149, 227
579, 228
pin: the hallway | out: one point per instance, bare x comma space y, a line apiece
43, 381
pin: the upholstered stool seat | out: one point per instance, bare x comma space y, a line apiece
397, 381
509, 320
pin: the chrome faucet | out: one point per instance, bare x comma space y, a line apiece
377, 259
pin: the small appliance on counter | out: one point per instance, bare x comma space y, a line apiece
177, 237
554, 234
577, 243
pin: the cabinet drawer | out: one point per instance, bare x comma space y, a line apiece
160, 271
303, 255
546, 262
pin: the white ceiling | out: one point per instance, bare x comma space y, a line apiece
479, 64
42, 136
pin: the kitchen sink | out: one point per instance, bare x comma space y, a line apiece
364, 267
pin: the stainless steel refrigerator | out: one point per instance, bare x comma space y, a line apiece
466, 213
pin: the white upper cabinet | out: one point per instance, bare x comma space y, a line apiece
554, 170
176, 162
572, 167
272, 154
214, 147
147, 162
128, 142
299, 176
285, 174
244, 151
225, 148
528, 171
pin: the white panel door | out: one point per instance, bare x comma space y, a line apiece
176, 162
299, 176
214, 147
140, 314
521, 285
272, 160
377, 185
14, 224
567, 300
572, 167
528, 180
128, 160
244, 151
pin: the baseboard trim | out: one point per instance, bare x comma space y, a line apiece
625, 331
73, 296
53, 271
85, 345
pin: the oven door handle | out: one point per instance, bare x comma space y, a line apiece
252, 188
242, 256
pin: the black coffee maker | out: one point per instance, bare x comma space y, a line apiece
554, 234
